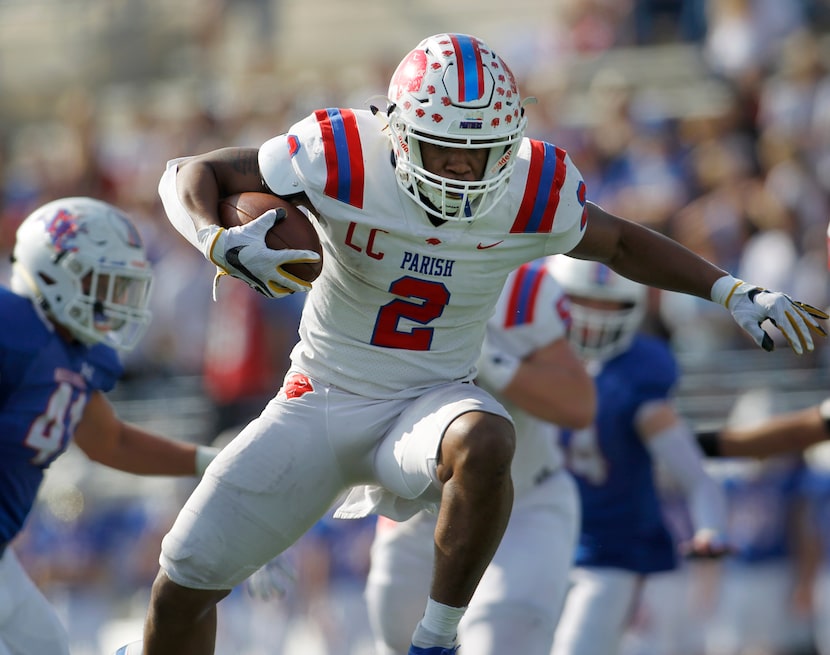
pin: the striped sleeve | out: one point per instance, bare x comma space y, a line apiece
343, 155
546, 175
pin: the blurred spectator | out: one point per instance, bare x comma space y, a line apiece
788, 99
756, 612
815, 600
661, 21
744, 36
249, 338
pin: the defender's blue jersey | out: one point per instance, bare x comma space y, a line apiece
815, 488
44, 386
622, 520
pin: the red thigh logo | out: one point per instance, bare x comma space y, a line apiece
296, 385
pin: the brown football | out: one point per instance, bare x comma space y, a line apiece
295, 231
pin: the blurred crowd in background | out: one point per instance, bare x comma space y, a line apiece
708, 120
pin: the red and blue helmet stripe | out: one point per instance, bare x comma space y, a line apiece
470, 67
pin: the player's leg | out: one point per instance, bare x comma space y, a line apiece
755, 610
263, 491
670, 613
518, 601
28, 623
452, 448
398, 581
821, 610
597, 610
477, 497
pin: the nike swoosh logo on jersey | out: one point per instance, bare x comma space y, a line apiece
232, 257
481, 246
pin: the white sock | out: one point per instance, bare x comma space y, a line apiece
439, 625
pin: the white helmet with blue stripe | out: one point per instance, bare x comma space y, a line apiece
600, 332
453, 90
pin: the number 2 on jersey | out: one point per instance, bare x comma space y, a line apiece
433, 297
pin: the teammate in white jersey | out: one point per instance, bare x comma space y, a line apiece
529, 365
423, 208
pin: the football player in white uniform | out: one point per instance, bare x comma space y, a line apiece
423, 208
527, 362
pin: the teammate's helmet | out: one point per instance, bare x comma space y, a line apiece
600, 334
453, 90
83, 261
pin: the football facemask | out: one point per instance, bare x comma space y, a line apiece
599, 333
452, 89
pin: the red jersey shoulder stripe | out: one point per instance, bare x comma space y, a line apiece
343, 154
522, 302
545, 178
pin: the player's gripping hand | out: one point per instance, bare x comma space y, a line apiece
241, 253
706, 544
751, 306
272, 580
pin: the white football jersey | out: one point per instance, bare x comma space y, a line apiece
532, 312
401, 305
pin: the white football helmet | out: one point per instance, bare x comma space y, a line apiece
83, 261
453, 90
600, 334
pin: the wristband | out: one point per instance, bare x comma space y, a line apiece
724, 288
824, 412
208, 237
497, 369
709, 443
204, 456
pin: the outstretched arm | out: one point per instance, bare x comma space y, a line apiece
651, 258
671, 444
551, 382
644, 255
791, 432
108, 440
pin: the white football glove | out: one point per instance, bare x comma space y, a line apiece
241, 253
751, 306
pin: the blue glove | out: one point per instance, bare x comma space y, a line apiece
750, 306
